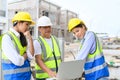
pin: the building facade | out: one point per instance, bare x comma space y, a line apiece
39, 8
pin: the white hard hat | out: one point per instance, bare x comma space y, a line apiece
44, 21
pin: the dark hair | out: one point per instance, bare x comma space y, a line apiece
15, 23
81, 26
23, 39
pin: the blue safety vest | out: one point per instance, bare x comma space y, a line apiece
11, 71
95, 66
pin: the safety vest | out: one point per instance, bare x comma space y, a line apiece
48, 57
11, 71
95, 66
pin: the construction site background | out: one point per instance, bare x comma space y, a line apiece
60, 18
112, 57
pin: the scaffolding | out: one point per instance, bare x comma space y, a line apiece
66, 15
39, 8
36, 8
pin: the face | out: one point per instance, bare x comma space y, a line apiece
23, 26
45, 31
79, 32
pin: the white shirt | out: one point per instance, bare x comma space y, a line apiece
37, 46
10, 51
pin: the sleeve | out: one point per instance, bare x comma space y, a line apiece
86, 47
10, 51
37, 47
30, 57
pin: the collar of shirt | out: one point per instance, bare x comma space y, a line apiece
15, 32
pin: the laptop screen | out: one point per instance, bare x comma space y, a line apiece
70, 70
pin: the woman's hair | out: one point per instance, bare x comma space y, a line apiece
23, 39
15, 23
22, 36
81, 25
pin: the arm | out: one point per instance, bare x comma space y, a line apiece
31, 47
30, 43
40, 62
87, 46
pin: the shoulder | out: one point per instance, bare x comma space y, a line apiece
89, 34
54, 36
6, 37
35, 41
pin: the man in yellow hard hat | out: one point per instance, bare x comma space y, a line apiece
90, 50
16, 53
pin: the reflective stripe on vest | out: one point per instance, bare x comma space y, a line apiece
52, 58
16, 71
48, 57
6, 61
41, 71
95, 68
95, 57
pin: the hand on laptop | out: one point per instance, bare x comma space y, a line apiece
51, 74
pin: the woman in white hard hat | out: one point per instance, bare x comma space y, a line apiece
90, 49
47, 52
16, 52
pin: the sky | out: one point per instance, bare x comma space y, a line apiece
101, 16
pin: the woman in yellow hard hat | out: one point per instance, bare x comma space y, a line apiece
17, 49
95, 66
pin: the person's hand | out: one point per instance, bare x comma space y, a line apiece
52, 74
25, 55
28, 35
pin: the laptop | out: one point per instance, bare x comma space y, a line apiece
70, 70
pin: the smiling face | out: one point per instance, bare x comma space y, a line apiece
79, 32
45, 31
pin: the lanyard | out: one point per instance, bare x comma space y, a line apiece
54, 56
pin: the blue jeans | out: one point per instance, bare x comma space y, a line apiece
103, 78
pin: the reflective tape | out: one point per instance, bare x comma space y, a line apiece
41, 71
15, 71
43, 47
6, 61
96, 57
95, 68
52, 58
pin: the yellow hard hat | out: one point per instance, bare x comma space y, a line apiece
73, 23
23, 16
